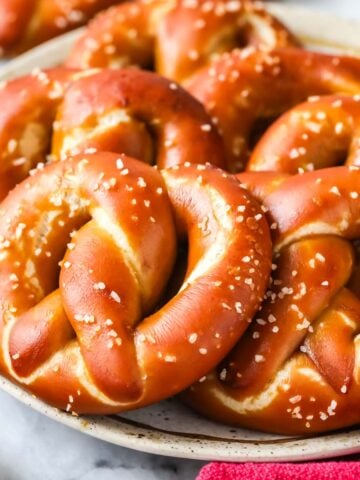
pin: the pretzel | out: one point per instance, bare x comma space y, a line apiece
244, 90
296, 369
177, 37
91, 339
320, 133
61, 111
26, 23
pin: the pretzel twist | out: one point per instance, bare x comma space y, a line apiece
245, 90
80, 343
320, 133
296, 369
177, 37
26, 23
61, 112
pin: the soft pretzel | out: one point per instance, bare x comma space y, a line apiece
297, 370
63, 111
322, 132
26, 23
78, 339
243, 90
177, 37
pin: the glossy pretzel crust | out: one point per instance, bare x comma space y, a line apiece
51, 114
175, 37
296, 370
91, 339
26, 23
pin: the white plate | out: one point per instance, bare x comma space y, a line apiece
169, 428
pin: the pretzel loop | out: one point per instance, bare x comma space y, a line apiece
162, 115
61, 112
245, 90
176, 37
319, 133
26, 23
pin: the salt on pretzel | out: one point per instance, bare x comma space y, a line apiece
243, 90
90, 339
297, 368
26, 23
176, 37
60, 111
28, 106
319, 133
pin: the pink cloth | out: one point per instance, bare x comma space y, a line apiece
281, 471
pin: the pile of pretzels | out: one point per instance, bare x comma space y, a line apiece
180, 215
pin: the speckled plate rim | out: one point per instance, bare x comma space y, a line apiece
157, 441
328, 32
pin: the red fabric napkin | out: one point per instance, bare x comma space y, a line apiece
281, 471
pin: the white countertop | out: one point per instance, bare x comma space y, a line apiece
33, 447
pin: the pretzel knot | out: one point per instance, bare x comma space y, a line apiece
243, 91
78, 338
61, 112
297, 369
177, 36
26, 23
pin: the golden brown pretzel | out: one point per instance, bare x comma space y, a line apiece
319, 133
297, 368
176, 37
245, 89
28, 106
26, 23
77, 339
65, 111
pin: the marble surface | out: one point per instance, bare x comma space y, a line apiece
35, 447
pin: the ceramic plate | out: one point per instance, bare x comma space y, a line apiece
169, 428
